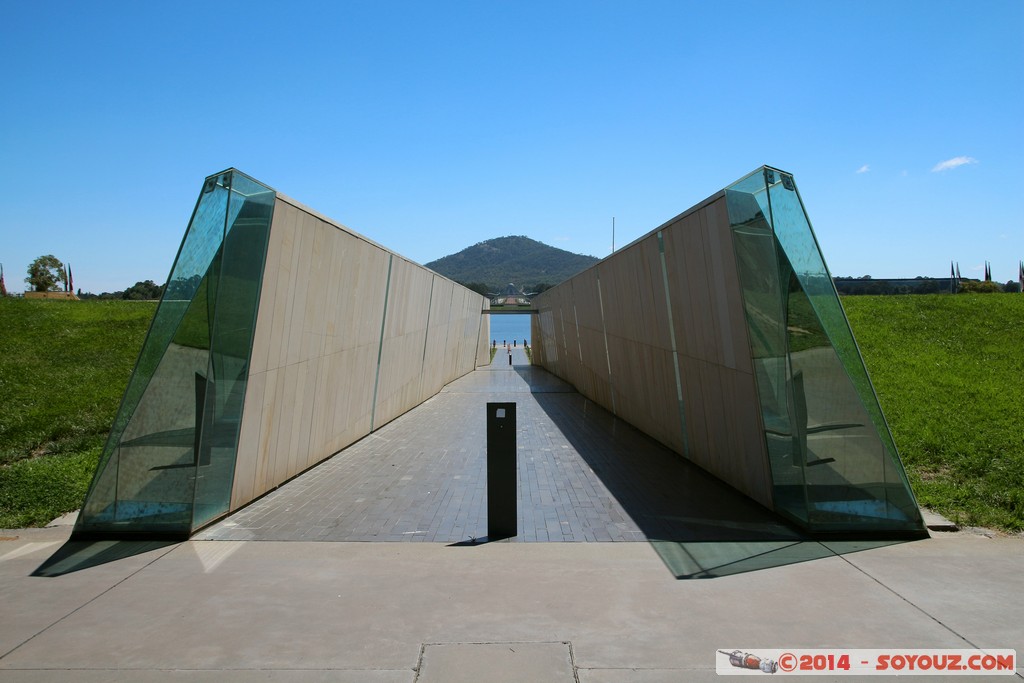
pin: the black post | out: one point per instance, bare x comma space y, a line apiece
501, 470
204, 419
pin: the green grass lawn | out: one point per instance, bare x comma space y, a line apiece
949, 371
63, 368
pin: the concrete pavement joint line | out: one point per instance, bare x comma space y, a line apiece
750, 557
567, 643
645, 668
88, 602
218, 669
906, 600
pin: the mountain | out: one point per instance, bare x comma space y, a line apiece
520, 260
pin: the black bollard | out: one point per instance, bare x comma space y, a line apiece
502, 499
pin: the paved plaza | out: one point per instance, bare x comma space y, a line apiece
583, 476
629, 567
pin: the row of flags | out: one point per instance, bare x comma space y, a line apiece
954, 275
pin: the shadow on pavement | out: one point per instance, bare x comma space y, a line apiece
74, 556
482, 540
700, 526
713, 559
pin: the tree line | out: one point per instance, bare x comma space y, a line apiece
852, 286
484, 289
49, 274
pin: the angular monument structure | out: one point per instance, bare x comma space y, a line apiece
721, 335
281, 338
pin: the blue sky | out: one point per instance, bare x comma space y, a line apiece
430, 126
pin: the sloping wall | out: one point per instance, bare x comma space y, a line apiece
348, 336
655, 333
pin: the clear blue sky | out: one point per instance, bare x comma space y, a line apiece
430, 126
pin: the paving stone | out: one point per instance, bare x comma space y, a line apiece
584, 475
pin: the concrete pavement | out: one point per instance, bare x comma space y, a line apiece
301, 610
592, 612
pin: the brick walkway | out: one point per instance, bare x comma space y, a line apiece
583, 476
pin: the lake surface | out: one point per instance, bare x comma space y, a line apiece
509, 327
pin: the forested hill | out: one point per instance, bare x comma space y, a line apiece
520, 260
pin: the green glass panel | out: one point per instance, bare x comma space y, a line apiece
232, 301
834, 464
146, 479
764, 297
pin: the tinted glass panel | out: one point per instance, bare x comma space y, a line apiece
834, 464
147, 477
232, 301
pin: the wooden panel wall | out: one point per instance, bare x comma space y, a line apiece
348, 336
659, 320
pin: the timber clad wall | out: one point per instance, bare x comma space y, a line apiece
655, 333
348, 336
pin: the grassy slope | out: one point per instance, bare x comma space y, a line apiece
63, 368
949, 372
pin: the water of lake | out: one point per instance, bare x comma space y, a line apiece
508, 327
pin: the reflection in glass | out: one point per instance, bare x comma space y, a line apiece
833, 461
168, 464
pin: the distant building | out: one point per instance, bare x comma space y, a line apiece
511, 297
919, 285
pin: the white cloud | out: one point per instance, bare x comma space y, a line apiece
864, 169
953, 163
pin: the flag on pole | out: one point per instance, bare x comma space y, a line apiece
952, 279
1020, 277
958, 272
3, 287
71, 280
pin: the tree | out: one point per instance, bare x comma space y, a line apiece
45, 273
478, 287
980, 287
142, 291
